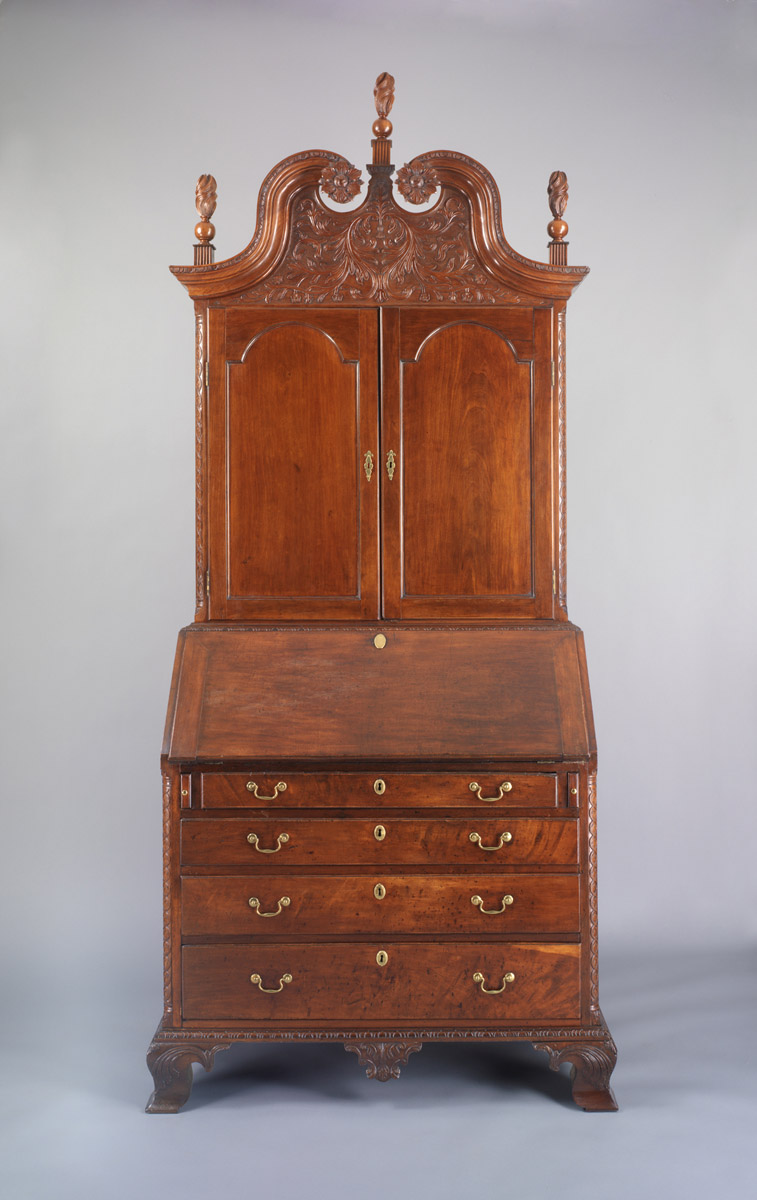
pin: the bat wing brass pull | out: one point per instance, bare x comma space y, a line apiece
281, 840
503, 839
479, 978
287, 978
253, 787
503, 787
284, 902
490, 912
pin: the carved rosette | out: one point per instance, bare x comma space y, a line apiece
341, 182
382, 1060
416, 182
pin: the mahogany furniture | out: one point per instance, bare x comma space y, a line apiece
379, 764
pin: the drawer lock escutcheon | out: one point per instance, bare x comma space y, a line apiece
379, 891
284, 902
286, 978
479, 978
504, 838
379, 833
382, 958
253, 787
281, 840
506, 902
503, 787
379, 787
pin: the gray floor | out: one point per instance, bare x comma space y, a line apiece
302, 1121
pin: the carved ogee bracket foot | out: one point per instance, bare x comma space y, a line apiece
382, 1059
170, 1064
592, 1064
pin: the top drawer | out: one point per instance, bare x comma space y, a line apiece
350, 789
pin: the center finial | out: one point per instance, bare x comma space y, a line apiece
383, 94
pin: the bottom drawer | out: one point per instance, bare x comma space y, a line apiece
344, 982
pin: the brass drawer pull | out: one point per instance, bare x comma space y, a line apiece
253, 787
506, 902
284, 902
503, 787
252, 838
503, 839
479, 978
287, 978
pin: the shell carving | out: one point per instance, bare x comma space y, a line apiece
416, 183
557, 191
383, 94
205, 196
341, 182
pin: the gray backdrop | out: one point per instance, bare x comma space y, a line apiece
110, 111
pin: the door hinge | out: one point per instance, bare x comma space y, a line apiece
553, 372
207, 582
554, 583
207, 373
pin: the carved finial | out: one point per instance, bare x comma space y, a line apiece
383, 94
205, 203
557, 192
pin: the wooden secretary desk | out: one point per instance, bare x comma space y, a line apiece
379, 763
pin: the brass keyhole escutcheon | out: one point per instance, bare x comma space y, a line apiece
379, 641
379, 833
379, 787
379, 891
382, 958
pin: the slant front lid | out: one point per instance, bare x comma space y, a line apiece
335, 694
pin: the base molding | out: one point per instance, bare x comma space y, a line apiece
589, 1049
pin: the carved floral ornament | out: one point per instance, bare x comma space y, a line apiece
341, 181
416, 182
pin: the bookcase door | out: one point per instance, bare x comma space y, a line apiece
467, 439
292, 499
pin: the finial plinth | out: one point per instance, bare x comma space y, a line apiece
383, 95
205, 203
557, 193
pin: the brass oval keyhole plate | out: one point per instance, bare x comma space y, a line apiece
379, 891
379, 833
382, 958
379, 787
379, 641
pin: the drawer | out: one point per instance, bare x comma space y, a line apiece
297, 905
474, 789
279, 842
343, 981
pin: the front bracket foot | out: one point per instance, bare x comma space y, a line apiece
592, 1062
170, 1064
